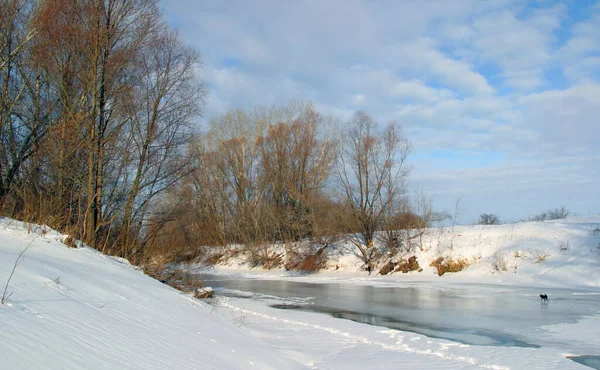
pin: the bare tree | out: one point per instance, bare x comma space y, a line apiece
557, 213
552, 214
166, 98
488, 219
294, 165
234, 154
371, 172
23, 93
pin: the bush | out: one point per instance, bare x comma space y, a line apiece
267, 261
564, 247
553, 214
558, 213
70, 242
449, 265
410, 265
183, 281
308, 261
215, 258
540, 257
387, 268
498, 262
488, 219
203, 293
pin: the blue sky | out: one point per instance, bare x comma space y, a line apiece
500, 98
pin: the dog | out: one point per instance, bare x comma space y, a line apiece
544, 297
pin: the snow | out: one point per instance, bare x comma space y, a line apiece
76, 308
562, 253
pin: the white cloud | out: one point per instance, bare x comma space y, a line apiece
416, 90
489, 77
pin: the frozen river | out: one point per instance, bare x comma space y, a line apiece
487, 315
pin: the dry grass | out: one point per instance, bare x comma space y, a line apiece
203, 293
498, 262
387, 268
70, 242
410, 265
215, 257
308, 261
444, 265
540, 257
181, 280
272, 261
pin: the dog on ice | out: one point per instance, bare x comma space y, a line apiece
544, 297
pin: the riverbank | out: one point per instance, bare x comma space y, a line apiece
561, 254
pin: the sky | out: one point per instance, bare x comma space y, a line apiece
499, 98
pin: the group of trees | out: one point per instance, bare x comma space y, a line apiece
287, 174
96, 101
552, 214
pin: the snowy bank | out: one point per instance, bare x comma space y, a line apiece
556, 254
76, 309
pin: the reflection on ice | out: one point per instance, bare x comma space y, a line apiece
465, 336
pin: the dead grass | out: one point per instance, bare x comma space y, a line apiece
387, 268
70, 242
540, 257
183, 281
406, 266
498, 262
261, 255
444, 265
215, 257
308, 260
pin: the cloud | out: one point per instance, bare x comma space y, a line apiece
506, 83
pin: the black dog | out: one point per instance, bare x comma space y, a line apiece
544, 297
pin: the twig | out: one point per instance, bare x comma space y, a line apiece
18, 261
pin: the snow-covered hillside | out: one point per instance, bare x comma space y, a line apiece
562, 253
78, 309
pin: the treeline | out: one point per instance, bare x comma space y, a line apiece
96, 103
291, 174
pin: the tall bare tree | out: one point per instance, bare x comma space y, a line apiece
23, 92
167, 96
295, 164
371, 170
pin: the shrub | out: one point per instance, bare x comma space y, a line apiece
261, 255
558, 213
203, 293
392, 241
564, 247
214, 258
553, 214
272, 261
189, 256
387, 268
70, 242
488, 219
308, 261
411, 265
449, 265
183, 281
498, 262
540, 257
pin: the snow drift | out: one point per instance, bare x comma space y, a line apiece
76, 309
